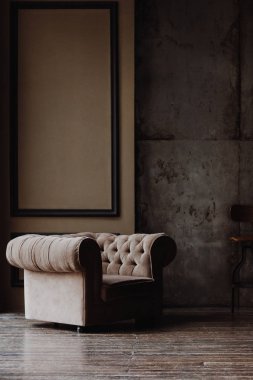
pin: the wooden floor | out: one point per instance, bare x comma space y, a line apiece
188, 344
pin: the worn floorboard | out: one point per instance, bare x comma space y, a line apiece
188, 344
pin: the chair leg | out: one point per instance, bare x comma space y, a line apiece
238, 298
80, 329
233, 300
236, 278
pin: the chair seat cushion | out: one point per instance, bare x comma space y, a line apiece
117, 286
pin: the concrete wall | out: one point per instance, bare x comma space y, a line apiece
194, 114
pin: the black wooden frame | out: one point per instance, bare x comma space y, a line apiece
112, 6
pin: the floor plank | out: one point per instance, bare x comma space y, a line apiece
187, 344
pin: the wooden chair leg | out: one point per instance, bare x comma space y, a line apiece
233, 300
238, 298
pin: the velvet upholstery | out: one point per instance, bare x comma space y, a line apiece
92, 278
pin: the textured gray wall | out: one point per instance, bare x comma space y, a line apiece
194, 126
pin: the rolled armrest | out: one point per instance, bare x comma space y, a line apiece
54, 253
164, 248
163, 251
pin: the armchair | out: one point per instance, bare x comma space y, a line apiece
92, 278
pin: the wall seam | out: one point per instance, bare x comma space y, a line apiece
239, 87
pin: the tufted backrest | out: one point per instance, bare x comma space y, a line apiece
127, 255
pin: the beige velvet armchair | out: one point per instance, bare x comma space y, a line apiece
92, 278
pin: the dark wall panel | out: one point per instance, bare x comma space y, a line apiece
194, 97
187, 69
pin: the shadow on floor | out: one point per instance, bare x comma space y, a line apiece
171, 319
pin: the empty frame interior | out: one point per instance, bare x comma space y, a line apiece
66, 124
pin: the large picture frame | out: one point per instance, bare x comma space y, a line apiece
64, 109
